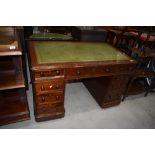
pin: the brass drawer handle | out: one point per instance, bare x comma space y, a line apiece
107, 70
130, 68
78, 72
51, 86
57, 97
57, 86
42, 88
57, 72
41, 73
43, 99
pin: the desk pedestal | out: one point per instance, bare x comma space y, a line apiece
49, 104
107, 91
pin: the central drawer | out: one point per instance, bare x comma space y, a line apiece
86, 72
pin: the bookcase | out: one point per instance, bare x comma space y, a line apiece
13, 99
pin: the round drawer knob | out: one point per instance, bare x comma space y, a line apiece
130, 68
57, 97
107, 70
57, 86
43, 99
42, 88
51, 86
41, 74
78, 72
57, 72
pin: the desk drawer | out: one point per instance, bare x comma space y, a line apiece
49, 86
116, 95
119, 82
49, 97
48, 73
125, 69
49, 109
105, 70
82, 72
78, 72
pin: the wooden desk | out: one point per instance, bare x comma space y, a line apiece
103, 69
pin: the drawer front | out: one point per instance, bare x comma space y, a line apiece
49, 98
48, 74
79, 72
128, 69
119, 82
114, 95
49, 109
84, 72
117, 88
105, 70
49, 86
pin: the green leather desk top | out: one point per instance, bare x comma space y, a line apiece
61, 52
51, 36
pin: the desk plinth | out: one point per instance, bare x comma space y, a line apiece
105, 79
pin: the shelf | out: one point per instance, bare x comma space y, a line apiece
136, 88
13, 106
10, 79
9, 46
10, 53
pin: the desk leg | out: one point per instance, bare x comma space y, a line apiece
107, 91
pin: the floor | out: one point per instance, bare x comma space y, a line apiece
82, 111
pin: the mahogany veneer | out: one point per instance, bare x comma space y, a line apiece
13, 106
105, 79
13, 101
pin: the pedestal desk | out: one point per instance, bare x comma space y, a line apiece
103, 69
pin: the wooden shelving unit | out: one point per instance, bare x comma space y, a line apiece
13, 106
13, 100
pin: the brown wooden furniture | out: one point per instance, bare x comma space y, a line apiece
60, 33
13, 101
103, 69
146, 35
122, 39
113, 37
20, 31
143, 57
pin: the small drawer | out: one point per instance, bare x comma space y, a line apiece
50, 109
125, 69
49, 73
49, 97
48, 86
79, 72
95, 71
104, 70
119, 82
113, 96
